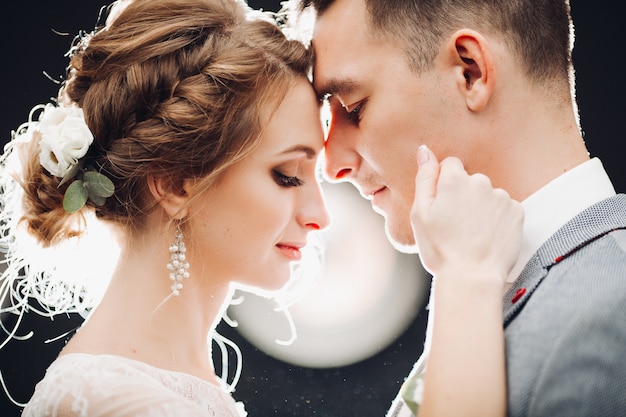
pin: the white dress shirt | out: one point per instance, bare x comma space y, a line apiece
556, 203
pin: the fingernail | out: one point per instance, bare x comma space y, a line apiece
423, 155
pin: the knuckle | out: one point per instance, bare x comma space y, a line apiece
481, 180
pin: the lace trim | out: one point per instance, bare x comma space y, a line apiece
108, 385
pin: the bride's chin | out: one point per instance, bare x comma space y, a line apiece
266, 287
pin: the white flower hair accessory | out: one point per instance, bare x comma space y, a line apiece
64, 140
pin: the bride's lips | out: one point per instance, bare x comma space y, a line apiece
291, 250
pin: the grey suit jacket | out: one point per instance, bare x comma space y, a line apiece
565, 321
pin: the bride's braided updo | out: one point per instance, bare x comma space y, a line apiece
178, 89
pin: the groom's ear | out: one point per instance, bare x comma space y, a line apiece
173, 200
470, 54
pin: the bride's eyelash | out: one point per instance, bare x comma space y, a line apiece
285, 180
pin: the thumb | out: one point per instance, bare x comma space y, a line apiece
426, 179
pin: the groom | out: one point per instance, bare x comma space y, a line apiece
491, 83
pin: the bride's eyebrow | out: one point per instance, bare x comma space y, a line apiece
310, 152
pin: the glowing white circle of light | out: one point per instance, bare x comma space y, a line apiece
365, 297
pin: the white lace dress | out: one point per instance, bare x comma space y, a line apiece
83, 385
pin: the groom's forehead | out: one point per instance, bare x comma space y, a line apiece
342, 45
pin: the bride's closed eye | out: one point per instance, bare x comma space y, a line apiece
286, 180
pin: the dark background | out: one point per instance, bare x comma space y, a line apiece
270, 387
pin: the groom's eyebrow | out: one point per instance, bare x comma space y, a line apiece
333, 87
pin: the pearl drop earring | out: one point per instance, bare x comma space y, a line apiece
178, 265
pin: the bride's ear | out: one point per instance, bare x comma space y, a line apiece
172, 200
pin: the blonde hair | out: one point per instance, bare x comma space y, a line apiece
177, 89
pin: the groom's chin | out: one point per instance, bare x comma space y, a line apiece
401, 237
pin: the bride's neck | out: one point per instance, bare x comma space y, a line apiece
138, 318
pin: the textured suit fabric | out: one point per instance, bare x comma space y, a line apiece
565, 321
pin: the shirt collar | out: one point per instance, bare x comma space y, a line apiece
553, 205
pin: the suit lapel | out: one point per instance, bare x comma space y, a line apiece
516, 297
591, 224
